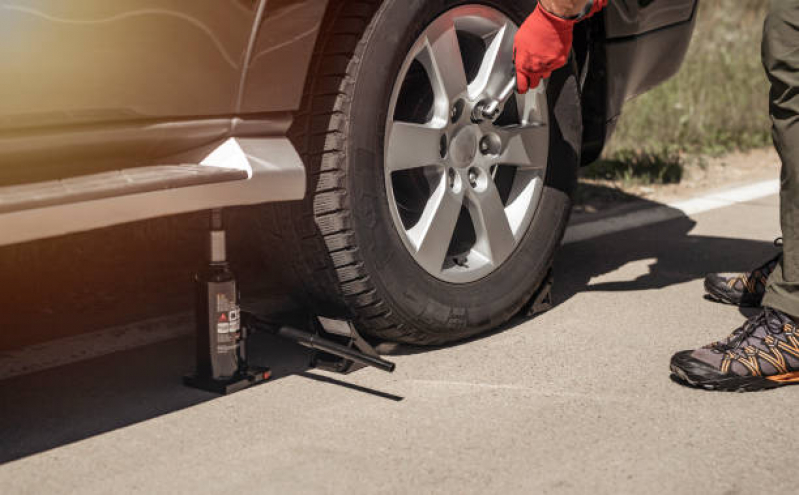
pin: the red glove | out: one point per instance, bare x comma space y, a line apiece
598, 5
543, 44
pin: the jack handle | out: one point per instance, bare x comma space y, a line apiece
316, 342
321, 344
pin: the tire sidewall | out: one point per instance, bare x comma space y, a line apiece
414, 295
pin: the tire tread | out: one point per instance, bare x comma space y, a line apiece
327, 258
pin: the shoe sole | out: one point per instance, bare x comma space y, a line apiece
738, 383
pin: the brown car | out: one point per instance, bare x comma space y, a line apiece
406, 206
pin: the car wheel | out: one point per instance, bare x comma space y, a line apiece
424, 222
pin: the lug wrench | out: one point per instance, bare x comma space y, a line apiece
491, 109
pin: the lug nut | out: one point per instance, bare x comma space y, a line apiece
473, 177
451, 176
457, 111
490, 144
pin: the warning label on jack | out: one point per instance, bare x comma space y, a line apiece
227, 309
229, 322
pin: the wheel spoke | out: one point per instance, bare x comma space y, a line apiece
433, 233
525, 149
443, 62
495, 238
496, 69
413, 146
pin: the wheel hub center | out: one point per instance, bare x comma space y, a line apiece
463, 147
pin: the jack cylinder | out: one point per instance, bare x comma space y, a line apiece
220, 339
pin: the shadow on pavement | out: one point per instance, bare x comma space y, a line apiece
56, 407
351, 386
48, 409
675, 257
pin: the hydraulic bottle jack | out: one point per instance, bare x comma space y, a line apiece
222, 330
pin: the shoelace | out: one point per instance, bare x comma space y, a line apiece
740, 334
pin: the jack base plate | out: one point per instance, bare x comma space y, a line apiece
240, 381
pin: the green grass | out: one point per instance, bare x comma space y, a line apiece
662, 166
717, 103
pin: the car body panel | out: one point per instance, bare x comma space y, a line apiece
639, 63
285, 43
274, 169
625, 18
100, 86
35, 155
646, 42
92, 61
86, 61
110, 85
634, 46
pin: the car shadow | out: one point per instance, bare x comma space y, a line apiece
48, 409
87, 282
56, 407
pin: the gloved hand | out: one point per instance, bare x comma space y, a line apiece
542, 45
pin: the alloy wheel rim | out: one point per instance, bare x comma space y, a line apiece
463, 191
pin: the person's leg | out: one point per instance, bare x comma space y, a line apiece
781, 61
764, 352
779, 279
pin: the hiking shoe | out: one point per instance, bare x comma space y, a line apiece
761, 354
742, 289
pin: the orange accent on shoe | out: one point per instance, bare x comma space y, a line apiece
786, 378
750, 283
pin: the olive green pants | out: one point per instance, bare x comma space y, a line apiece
781, 61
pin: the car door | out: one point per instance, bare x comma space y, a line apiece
83, 61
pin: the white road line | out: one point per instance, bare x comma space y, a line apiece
649, 216
87, 346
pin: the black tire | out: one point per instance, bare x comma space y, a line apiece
344, 247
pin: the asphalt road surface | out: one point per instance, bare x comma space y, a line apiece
578, 400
